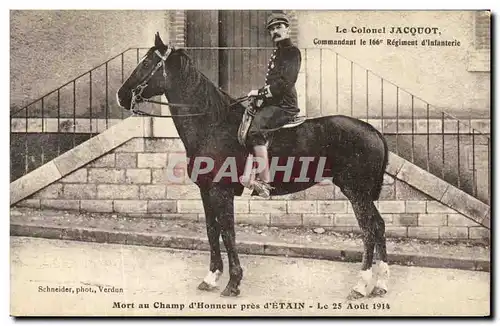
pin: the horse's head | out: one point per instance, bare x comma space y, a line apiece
153, 75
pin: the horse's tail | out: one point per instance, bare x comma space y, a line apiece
377, 189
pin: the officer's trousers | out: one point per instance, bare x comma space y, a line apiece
267, 119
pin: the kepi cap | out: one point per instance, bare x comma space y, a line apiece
277, 18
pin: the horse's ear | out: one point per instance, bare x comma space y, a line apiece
158, 41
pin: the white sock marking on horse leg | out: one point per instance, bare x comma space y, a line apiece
383, 274
212, 278
365, 284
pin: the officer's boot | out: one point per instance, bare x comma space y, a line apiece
261, 184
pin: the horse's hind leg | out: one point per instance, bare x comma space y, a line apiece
366, 214
381, 269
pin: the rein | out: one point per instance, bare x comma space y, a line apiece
138, 112
142, 113
137, 93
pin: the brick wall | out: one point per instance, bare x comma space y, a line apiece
482, 29
132, 180
479, 58
294, 25
177, 33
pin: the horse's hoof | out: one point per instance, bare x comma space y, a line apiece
378, 292
354, 295
230, 292
204, 286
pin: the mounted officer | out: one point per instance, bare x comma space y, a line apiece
277, 99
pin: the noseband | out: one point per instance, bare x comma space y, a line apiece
137, 91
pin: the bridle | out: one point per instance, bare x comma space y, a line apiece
137, 91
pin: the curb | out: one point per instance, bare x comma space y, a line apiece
244, 247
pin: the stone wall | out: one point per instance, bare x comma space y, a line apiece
132, 180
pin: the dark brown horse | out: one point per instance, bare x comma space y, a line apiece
352, 153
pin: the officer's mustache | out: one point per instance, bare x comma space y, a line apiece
276, 35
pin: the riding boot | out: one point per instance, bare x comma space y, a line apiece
261, 184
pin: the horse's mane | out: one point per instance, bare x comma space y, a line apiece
213, 99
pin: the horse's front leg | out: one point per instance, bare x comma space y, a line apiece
222, 203
213, 233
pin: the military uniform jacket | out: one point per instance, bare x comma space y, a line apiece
281, 76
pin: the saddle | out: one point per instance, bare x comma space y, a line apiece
247, 119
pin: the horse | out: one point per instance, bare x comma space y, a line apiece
207, 120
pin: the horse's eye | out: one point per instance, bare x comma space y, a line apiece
146, 64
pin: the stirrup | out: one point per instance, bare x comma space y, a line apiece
262, 188
298, 120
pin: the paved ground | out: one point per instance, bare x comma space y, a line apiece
170, 277
444, 249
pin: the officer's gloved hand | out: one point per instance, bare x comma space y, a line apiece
255, 98
253, 93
